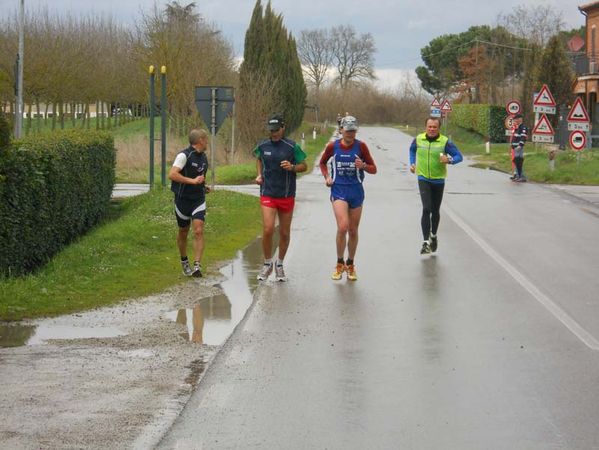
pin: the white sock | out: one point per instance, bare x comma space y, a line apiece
268, 261
279, 262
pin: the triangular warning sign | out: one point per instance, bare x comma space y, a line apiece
436, 103
446, 106
578, 112
544, 98
543, 126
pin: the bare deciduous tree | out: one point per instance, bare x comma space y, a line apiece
353, 55
536, 23
316, 55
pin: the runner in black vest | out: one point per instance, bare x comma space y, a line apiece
188, 176
279, 159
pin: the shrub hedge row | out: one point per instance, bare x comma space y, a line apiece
53, 188
486, 120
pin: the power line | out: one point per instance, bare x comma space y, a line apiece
475, 41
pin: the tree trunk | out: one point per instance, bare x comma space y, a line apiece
38, 119
61, 111
53, 116
97, 115
28, 126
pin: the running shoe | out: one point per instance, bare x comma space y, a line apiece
265, 272
339, 269
186, 268
197, 270
426, 248
280, 273
434, 244
351, 273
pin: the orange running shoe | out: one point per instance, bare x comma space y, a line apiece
351, 273
339, 269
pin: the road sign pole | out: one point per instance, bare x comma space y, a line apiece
562, 127
152, 114
213, 139
163, 108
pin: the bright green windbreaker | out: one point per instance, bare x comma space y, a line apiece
427, 157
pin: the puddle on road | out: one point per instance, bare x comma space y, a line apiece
212, 320
18, 335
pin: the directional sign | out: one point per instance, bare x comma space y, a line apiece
436, 103
446, 106
513, 107
435, 112
544, 101
578, 112
578, 140
543, 126
223, 97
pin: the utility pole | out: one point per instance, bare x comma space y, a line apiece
20, 59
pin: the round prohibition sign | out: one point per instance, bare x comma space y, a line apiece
513, 107
578, 140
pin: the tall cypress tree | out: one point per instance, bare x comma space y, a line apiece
270, 51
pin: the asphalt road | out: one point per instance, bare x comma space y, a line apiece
492, 343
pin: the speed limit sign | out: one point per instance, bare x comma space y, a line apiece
513, 107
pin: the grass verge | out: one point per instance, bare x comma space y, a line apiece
570, 168
133, 253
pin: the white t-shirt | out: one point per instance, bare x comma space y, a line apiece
180, 161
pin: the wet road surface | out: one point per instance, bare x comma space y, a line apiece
491, 343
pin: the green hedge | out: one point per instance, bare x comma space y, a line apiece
486, 120
53, 188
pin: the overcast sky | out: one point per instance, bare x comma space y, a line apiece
400, 27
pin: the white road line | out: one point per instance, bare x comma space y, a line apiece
587, 338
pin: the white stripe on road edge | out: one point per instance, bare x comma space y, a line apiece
582, 334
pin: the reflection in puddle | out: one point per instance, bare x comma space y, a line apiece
212, 320
17, 335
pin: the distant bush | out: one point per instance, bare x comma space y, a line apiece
486, 120
4, 132
53, 188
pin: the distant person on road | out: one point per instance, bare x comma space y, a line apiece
430, 153
343, 165
517, 142
278, 161
188, 176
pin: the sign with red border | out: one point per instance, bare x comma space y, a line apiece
543, 127
513, 107
578, 140
436, 103
446, 106
544, 98
578, 113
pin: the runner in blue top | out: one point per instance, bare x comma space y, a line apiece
430, 153
278, 161
348, 159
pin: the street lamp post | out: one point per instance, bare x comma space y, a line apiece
21, 59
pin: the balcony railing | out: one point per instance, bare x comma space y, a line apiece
584, 64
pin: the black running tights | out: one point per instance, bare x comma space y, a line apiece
431, 195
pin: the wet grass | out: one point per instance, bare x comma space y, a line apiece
133, 253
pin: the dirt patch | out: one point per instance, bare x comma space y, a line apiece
119, 392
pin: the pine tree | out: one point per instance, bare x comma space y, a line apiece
556, 72
270, 54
